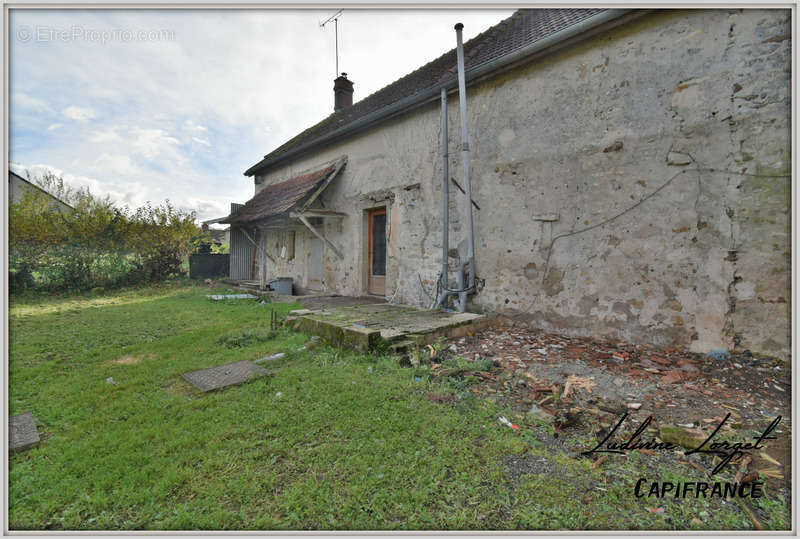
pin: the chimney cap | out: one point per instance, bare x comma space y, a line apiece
459, 26
342, 92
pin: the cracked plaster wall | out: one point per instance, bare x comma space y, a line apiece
663, 148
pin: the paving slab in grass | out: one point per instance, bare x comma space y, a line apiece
219, 297
224, 375
22, 432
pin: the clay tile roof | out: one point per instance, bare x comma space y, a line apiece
279, 198
523, 28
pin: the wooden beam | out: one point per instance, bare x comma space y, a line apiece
317, 213
320, 236
246, 235
340, 163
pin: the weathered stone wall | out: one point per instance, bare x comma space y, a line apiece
661, 149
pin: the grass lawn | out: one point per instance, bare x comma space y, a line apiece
330, 440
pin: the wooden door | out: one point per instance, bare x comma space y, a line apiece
376, 261
315, 264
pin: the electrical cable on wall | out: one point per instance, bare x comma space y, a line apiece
642, 201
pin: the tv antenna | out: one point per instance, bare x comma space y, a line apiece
335, 19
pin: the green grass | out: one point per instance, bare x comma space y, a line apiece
330, 440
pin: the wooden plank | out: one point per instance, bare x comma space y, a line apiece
317, 213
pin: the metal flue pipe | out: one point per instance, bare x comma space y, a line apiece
445, 201
462, 100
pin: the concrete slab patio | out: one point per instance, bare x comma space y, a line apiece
362, 322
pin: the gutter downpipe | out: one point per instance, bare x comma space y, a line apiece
424, 96
462, 101
445, 203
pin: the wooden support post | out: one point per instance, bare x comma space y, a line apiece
262, 273
264, 251
320, 236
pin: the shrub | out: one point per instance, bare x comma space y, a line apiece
97, 245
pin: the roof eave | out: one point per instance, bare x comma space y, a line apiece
421, 98
303, 203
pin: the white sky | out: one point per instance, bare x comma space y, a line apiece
180, 111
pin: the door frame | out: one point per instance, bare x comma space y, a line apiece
369, 278
312, 285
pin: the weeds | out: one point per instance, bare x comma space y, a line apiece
248, 337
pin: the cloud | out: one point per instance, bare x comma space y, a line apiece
24, 101
17, 168
109, 135
209, 209
124, 124
195, 127
107, 164
151, 143
127, 192
78, 113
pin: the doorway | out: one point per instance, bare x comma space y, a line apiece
376, 259
315, 264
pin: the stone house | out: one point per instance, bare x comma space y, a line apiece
631, 179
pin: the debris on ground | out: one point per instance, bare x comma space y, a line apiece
673, 385
769, 459
538, 413
508, 423
719, 354
582, 387
441, 398
273, 357
688, 438
576, 382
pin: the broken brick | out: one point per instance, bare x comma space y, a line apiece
661, 361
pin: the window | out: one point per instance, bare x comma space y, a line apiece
290, 245
284, 244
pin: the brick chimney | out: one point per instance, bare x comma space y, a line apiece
342, 93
